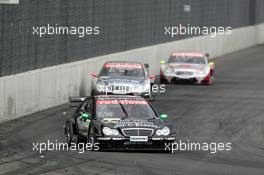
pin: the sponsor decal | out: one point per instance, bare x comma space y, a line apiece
188, 66
125, 102
111, 120
125, 65
191, 54
185, 66
138, 138
135, 123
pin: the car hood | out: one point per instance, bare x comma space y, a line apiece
128, 123
121, 80
188, 67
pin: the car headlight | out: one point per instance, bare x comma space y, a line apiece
200, 72
108, 131
164, 131
138, 88
146, 86
100, 85
168, 70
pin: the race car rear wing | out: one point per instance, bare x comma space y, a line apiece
76, 101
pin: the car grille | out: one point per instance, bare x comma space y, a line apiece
137, 132
184, 73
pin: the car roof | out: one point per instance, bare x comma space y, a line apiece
118, 97
122, 62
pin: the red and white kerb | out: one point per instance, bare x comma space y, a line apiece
123, 102
123, 65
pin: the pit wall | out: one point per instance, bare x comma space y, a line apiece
36, 90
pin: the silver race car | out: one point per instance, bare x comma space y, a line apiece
128, 78
187, 67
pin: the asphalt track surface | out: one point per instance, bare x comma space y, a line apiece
230, 111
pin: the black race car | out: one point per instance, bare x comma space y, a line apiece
118, 122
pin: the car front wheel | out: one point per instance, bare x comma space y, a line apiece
211, 80
91, 137
69, 133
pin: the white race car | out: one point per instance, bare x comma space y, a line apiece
187, 67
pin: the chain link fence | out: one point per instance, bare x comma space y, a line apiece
124, 25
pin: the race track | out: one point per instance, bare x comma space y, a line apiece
230, 111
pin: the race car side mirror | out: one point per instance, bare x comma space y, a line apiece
212, 65
94, 75
162, 62
146, 67
163, 117
86, 116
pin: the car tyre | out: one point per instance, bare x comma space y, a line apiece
211, 80
163, 81
69, 133
91, 139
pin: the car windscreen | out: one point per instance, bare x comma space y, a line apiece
124, 109
186, 60
130, 70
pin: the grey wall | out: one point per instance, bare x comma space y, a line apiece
50, 69
125, 25
32, 91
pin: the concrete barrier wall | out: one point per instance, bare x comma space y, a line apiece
36, 90
260, 33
